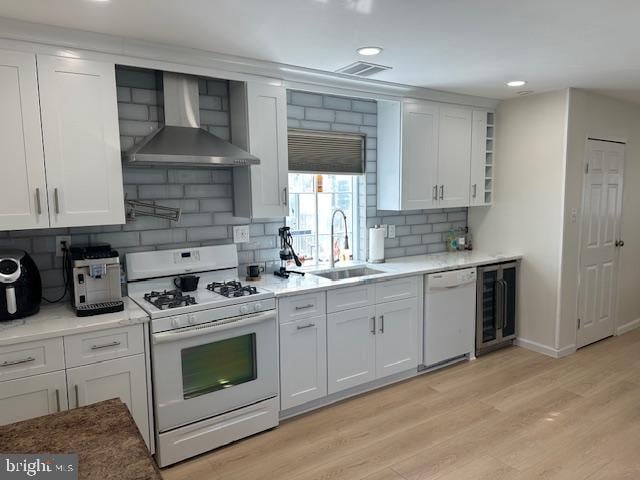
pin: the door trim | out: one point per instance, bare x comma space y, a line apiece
585, 162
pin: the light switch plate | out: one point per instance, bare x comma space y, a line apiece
391, 231
241, 234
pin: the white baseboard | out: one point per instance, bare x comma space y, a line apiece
545, 349
627, 327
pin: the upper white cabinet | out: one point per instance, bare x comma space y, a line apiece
259, 125
23, 189
426, 155
81, 141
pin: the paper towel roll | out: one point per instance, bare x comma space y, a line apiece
376, 244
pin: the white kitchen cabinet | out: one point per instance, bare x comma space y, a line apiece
23, 189
259, 125
351, 348
397, 330
425, 152
481, 187
303, 361
81, 141
32, 396
454, 156
123, 377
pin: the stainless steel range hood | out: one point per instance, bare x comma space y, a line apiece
181, 141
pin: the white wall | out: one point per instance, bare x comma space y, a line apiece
526, 216
593, 115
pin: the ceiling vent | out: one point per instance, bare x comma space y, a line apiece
363, 69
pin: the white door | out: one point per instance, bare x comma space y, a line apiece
81, 141
454, 157
23, 191
350, 348
267, 118
419, 155
396, 337
33, 396
303, 361
123, 378
600, 232
478, 157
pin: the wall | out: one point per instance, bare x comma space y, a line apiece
593, 115
526, 216
205, 196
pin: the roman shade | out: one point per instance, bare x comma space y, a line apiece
313, 151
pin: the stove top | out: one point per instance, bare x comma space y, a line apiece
169, 299
232, 289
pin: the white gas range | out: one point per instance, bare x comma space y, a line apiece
214, 350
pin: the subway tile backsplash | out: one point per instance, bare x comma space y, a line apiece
205, 195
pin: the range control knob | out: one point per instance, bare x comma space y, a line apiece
175, 322
257, 307
191, 319
244, 309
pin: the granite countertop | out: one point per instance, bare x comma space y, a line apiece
103, 435
394, 268
55, 320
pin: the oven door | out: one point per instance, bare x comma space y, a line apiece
210, 369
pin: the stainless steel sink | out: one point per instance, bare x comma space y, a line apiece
346, 273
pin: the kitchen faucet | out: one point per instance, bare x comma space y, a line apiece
346, 236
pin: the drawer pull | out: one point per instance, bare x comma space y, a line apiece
302, 327
106, 345
304, 307
17, 362
57, 400
381, 323
75, 387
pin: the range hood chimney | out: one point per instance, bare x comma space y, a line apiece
181, 141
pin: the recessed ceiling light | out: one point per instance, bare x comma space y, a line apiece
516, 83
369, 51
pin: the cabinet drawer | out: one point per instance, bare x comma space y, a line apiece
301, 306
31, 358
350, 297
86, 348
398, 289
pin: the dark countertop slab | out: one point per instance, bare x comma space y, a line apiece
103, 435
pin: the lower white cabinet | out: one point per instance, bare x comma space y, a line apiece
32, 396
368, 343
303, 361
122, 377
350, 348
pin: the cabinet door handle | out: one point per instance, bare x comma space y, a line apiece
106, 345
441, 192
75, 387
302, 327
57, 400
11, 363
435, 192
475, 190
304, 307
56, 200
38, 202
381, 323
373, 325
285, 196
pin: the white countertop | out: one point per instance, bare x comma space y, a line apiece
60, 319
394, 268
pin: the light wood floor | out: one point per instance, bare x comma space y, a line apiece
512, 414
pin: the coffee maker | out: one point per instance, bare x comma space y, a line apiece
20, 285
95, 279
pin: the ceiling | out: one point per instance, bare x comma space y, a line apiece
465, 46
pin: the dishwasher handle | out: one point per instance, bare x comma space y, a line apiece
450, 280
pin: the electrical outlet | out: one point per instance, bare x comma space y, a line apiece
59, 239
241, 234
392, 231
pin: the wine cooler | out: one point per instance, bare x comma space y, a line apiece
497, 308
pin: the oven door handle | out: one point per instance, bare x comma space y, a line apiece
198, 330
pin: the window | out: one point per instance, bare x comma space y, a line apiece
312, 201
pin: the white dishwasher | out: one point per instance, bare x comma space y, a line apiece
449, 315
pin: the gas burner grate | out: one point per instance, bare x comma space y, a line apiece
232, 289
169, 299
